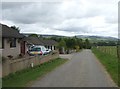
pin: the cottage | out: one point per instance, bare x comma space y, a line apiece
50, 44
11, 42
30, 41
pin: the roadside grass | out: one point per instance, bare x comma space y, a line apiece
110, 62
112, 50
22, 78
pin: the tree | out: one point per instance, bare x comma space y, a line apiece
70, 43
87, 44
62, 43
80, 43
62, 46
16, 28
57, 39
33, 35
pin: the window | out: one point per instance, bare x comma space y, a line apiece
51, 48
2, 43
48, 47
13, 43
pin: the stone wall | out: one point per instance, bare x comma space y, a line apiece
11, 66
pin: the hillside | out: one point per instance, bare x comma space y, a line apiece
97, 38
91, 38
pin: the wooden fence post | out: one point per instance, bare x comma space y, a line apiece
118, 55
118, 51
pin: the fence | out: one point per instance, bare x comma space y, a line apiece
11, 66
112, 50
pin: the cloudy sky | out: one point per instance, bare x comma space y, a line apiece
63, 17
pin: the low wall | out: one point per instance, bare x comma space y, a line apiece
11, 66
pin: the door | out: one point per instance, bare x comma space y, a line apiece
23, 47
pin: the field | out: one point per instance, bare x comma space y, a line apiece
112, 50
107, 55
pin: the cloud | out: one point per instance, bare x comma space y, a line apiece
13, 5
63, 16
29, 13
111, 19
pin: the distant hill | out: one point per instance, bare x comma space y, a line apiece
91, 38
97, 38
49, 36
43, 35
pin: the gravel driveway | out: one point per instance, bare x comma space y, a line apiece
82, 70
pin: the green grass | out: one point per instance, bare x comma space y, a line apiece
22, 78
112, 50
110, 62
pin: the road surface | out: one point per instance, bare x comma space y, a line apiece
82, 70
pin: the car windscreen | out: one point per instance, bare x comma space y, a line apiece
43, 48
35, 49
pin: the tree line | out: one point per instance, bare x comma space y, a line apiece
72, 43
105, 43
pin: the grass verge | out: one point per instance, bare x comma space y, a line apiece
110, 62
21, 78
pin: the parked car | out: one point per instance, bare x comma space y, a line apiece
44, 50
48, 50
35, 51
38, 50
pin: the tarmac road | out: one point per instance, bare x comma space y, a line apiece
82, 70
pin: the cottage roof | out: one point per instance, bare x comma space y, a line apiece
49, 42
33, 40
39, 41
9, 32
